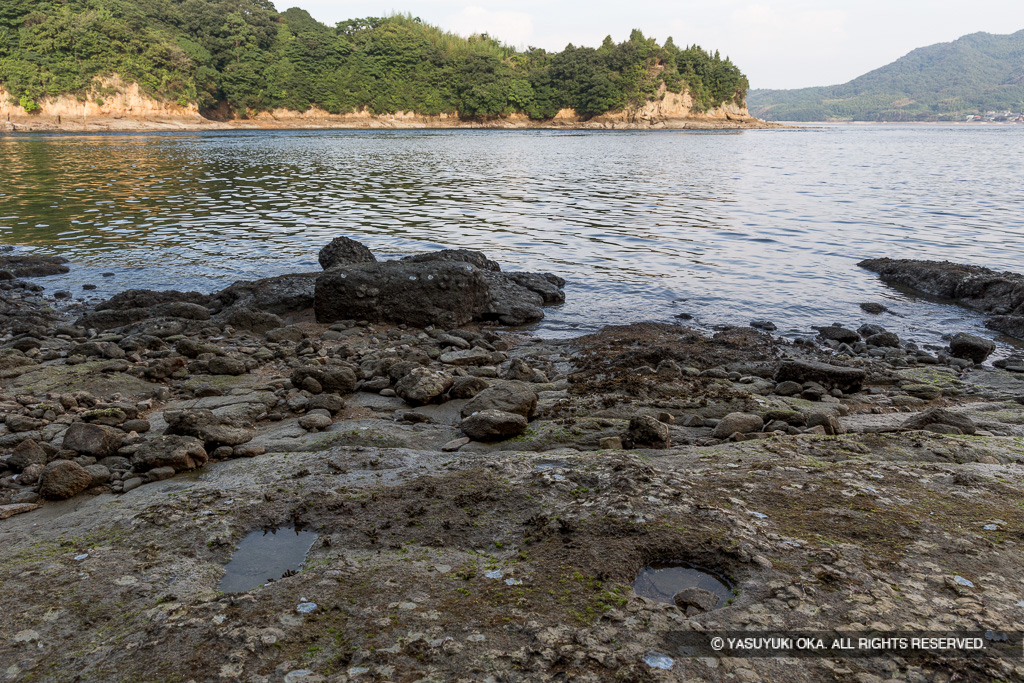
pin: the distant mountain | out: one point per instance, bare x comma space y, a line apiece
975, 74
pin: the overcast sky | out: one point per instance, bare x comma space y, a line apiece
777, 43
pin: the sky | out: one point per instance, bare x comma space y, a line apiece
777, 43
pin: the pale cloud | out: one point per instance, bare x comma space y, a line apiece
514, 28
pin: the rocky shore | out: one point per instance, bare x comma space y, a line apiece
483, 499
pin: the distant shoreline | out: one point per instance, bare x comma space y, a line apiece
899, 123
120, 124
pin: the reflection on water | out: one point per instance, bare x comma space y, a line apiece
645, 225
264, 556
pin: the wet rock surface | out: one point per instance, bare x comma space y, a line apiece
451, 474
999, 294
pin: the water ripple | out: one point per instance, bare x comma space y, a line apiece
645, 225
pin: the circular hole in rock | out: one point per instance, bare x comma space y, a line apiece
693, 589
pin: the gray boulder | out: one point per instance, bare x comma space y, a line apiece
93, 439
62, 479
547, 285
645, 430
694, 601
26, 453
1011, 325
975, 349
423, 385
839, 334
338, 379
253, 320
743, 423
180, 452
27, 265
510, 303
212, 429
940, 416
493, 425
467, 387
883, 340
509, 396
222, 365
100, 475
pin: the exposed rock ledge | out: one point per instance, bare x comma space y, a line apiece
132, 110
1001, 295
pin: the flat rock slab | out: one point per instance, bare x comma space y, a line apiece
16, 509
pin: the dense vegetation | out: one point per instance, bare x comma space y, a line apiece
244, 53
975, 74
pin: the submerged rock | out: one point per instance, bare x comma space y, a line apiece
33, 266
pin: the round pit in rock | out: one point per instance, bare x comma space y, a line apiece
698, 589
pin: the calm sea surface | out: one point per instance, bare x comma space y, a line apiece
725, 226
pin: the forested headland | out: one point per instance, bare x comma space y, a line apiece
244, 55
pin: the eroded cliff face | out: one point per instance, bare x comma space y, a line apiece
112, 105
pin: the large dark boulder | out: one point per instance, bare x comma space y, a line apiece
970, 347
847, 380
510, 303
282, 294
92, 439
448, 294
62, 479
344, 251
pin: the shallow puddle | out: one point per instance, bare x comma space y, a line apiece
264, 556
661, 581
542, 465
